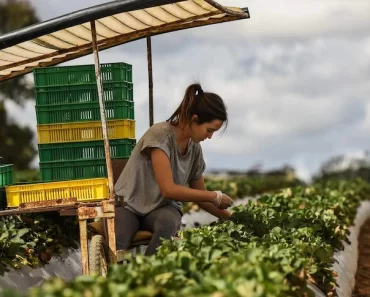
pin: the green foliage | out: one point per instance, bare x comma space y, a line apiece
16, 14
270, 247
26, 176
249, 186
30, 239
342, 167
16, 142
240, 187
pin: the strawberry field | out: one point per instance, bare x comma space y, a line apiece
31, 240
239, 187
272, 246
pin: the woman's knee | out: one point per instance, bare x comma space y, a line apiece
126, 225
165, 221
167, 225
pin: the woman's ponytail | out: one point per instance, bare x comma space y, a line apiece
183, 113
207, 106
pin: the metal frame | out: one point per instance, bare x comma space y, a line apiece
104, 209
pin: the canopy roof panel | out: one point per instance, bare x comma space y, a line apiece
118, 22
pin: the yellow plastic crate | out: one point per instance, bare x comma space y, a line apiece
84, 131
84, 190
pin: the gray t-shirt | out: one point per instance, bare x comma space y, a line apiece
137, 183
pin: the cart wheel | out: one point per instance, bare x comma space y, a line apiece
97, 257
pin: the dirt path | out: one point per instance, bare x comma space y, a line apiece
362, 284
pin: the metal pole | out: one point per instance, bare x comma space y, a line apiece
150, 78
112, 195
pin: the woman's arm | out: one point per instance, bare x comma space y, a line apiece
163, 174
209, 207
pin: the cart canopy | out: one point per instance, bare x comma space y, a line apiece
69, 37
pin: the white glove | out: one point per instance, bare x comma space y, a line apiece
222, 201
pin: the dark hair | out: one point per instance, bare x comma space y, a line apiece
207, 106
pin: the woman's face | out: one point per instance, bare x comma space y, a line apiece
200, 132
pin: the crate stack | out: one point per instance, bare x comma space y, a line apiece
6, 179
70, 139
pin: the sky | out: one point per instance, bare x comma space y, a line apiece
295, 79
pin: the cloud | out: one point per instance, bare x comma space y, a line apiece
294, 78
287, 20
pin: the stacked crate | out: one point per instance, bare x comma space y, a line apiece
6, 178
69, 130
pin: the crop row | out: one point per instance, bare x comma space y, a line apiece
270, 247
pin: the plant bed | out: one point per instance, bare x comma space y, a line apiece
362, 284
273, 246
31, 240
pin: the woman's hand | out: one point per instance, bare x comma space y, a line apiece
222, 201
226, 202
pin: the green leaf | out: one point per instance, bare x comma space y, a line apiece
4, 236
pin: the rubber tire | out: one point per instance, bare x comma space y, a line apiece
97, 256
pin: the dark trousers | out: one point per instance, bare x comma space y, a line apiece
163, 222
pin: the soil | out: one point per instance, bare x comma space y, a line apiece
362, 281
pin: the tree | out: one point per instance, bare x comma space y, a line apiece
345, 167
15, 142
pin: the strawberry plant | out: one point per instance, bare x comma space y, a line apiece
30, 240
240, 187
268, 248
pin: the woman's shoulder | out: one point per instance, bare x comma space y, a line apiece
159, 130
162, 126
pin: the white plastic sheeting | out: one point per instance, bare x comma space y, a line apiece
67, 266
347, 266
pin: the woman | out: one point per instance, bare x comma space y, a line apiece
164, 161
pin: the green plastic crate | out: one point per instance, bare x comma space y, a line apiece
81, 74
82, 112
87, 93
6, 175
70, 170
3, 203
72, 151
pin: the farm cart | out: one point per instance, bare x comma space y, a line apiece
88, 31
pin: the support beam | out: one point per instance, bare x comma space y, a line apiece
150, 79
84, 247
112, 195
112, 241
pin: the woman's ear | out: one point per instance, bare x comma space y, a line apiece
194, 118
